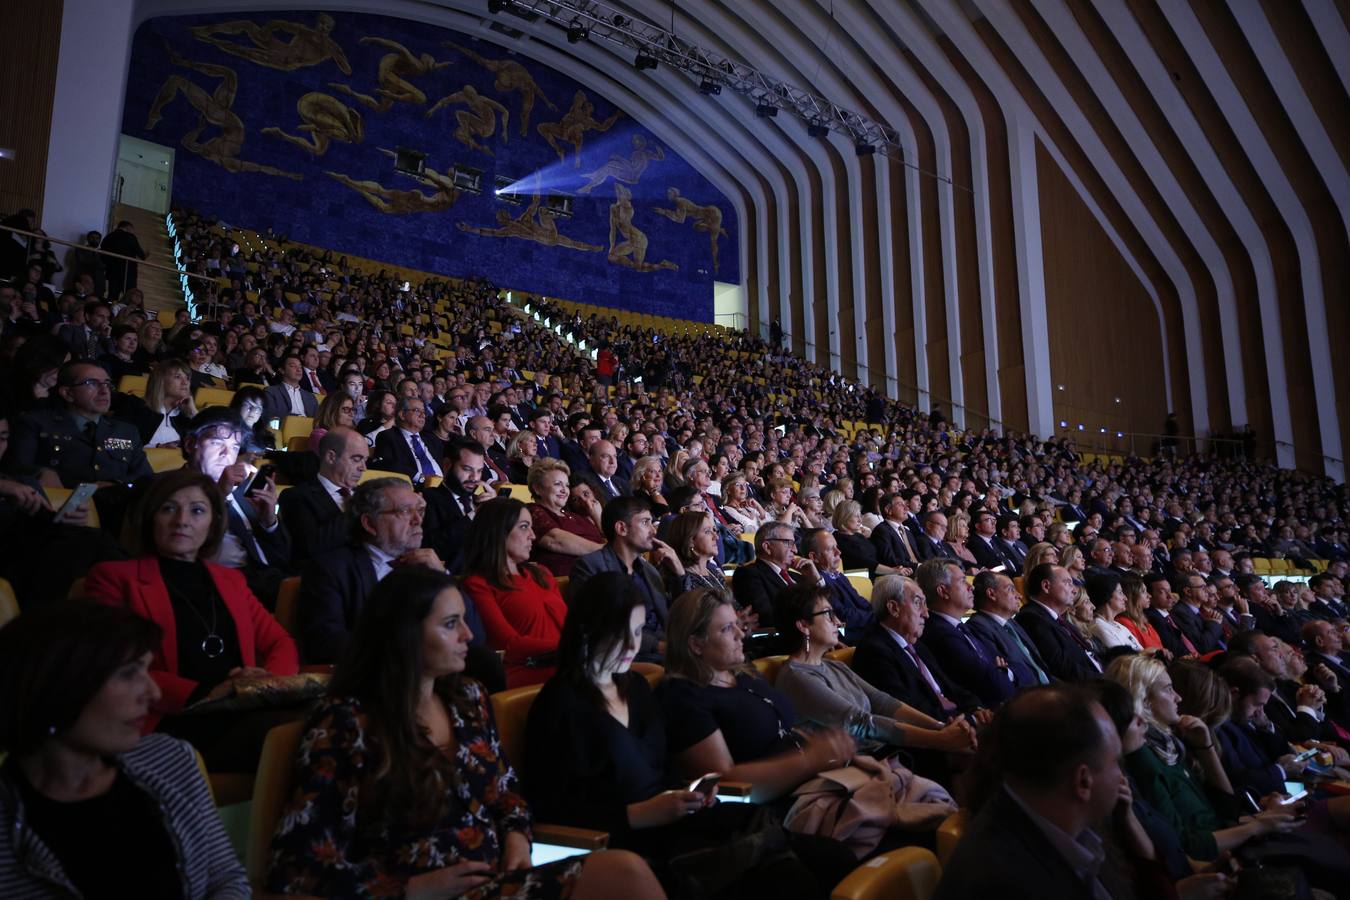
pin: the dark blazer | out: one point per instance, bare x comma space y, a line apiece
1005, 854
146, 420
880, 662
548, 446
274, 544
277, 405
333, 591
1207, 636
857, 552
1171, 636
1013, 552
757, 585
620, 485
605, 560
1065, 658
51, 438
316, 524
575, 457
969, 661
890, 549
1249, 758
988, 557
445, 527
853, 611
1024, 675
392, 453
931, 549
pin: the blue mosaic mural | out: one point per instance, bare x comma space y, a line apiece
295, 122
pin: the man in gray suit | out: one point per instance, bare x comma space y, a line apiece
289, 397
629, 533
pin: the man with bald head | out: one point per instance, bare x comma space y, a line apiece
313, 511
604, 460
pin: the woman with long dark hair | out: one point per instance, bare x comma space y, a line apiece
521, 605
401, 778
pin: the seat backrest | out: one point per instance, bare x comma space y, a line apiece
652, 671
9, 603
910, 873
511, 708
949, 834
211, 396
768, 666
288, 605
271, 792
372, 474
843, 655
164, 459
861, 583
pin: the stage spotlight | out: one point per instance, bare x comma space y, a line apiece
765, 110
644, 61
499, 6
864, 149
818, 129
619, 21
576, 32
708, 86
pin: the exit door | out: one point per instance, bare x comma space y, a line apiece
144, 174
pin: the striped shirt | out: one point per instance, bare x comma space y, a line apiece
166, 769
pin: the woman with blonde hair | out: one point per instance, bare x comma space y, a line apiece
561, 536
781, 506
739, 506
1042, 552
1072, 558
150, 346
647, 482
168, 404
958, 532
520, 455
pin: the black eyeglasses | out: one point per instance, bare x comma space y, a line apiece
825, 612
94, 383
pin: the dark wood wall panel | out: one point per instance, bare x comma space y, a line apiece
1106, 359
906, 363
32, 30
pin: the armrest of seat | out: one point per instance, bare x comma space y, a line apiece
568, 836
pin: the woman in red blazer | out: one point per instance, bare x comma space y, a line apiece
521, 606
216, 633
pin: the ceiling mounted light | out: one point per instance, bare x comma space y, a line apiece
765, 110
619, 21
864, 149
499, 6
644, 61
818, 129
576, 32
710, 87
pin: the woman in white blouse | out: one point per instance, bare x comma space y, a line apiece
1108, 599
739, 506
168, 396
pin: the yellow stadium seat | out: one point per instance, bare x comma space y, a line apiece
272, 790
910, 873
133, 384
371, 474
296, 426
843, 655
861, 583
1260, 566
58, 496
298, 444
651, 671
511, 708
768, 666
949, 834
287, 612
9, 603
166, 317
210, 396
164, 459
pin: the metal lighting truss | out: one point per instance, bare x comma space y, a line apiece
589, 18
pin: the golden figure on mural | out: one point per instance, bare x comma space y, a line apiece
512, 77
479, 120
308, 46
400, 202
706, 218
632, 250
575, 123
394, 70
326, 118
628, 169
212, 109
524, 226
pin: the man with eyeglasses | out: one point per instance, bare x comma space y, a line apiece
77, 441
758, 584
405, 448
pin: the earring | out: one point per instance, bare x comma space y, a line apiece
808, 644
51, 729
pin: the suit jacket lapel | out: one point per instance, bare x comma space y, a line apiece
158, 608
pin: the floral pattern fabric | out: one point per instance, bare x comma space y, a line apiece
327, 844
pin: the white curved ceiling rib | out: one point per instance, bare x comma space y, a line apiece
894, 59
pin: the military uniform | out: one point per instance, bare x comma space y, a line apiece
55, 439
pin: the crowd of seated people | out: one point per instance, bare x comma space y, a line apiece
427, 495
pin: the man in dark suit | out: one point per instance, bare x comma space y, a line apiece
604, 462
313, 511
576, 452
1050, 593
1059, 754
962, 653
1009, 532
256, 542
121, 272
629, 533
758, 584
404, 448
996, 603
78, 439
288, 397
634, 448
1159, 615
90, 340
850, 609
545, 433
982, 542
893, 542
933, 541
1203, 629
891, 657
452, 505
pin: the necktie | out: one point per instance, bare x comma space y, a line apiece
947, 705
609, 487
465, 505
1172, 623
91, 433
423, 460
1080, 641
904, 539
1026, 653
786, 575
343, 495
964, 631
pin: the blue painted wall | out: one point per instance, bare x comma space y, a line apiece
239, 167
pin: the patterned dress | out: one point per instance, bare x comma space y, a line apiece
324, 845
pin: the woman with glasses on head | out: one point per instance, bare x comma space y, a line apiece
163, 417
334, 412
828, 694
